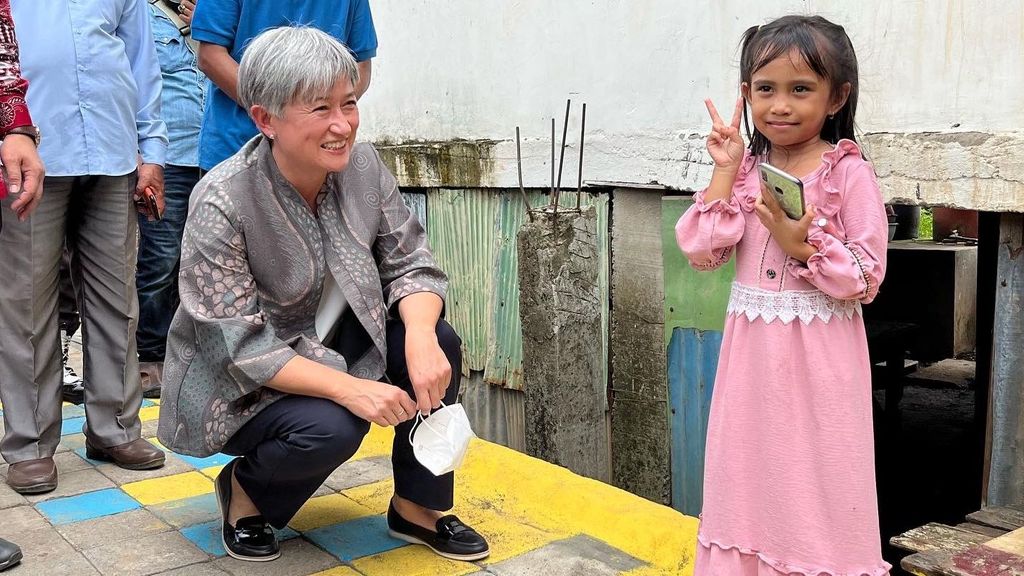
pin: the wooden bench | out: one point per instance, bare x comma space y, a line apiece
990, 543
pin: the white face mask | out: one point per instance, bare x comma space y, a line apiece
440, 440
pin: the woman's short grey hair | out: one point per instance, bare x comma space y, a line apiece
292, 64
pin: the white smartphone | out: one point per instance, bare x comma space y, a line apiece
788, 190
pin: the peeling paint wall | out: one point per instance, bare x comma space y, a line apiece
451, 164
959, 170
452, 80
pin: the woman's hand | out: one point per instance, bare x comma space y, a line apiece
429, 370
791, 235
377, 402
725, 144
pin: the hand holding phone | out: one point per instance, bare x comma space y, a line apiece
148, 204
787, 189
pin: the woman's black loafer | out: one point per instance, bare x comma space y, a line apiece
453, 539
251, 538
10, 554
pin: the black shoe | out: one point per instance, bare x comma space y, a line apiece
73, 394
10, 554
453, 539
72, 387
251, 538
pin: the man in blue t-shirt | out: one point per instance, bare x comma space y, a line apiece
223, 29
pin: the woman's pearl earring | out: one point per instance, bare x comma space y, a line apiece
271, 136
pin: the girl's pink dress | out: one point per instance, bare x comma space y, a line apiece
789, 478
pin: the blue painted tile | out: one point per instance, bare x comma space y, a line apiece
146, 403
355, 538
87, 506
207, 537
71, 426
200, 463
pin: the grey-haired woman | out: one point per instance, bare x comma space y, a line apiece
310, 307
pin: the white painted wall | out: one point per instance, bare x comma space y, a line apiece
474, 69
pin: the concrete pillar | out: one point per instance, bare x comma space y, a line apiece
640, 433
560, 308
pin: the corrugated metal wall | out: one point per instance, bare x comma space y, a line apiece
473, 235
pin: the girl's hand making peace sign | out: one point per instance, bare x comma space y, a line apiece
725, 144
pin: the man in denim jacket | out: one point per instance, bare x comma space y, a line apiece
181, 102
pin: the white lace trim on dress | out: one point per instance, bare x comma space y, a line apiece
788, 305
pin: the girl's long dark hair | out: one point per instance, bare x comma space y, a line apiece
826, 49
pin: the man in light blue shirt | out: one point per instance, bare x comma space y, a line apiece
181, 103
96, 84
224, 28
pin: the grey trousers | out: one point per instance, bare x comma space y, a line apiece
96, 216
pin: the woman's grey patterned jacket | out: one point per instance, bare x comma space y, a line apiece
253, 261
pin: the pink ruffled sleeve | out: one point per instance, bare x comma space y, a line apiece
851, 268
708, 232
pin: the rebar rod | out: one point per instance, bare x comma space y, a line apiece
561, 155
579, 180
519, 165
552, 159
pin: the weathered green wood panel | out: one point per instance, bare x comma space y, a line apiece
692, 299
695, 304
473, 235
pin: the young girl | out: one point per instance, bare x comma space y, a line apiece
789, 485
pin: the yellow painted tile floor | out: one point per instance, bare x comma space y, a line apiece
524, 506
539, 519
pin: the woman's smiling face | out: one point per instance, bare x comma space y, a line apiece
315, 137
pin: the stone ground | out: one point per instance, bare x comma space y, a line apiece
539, 518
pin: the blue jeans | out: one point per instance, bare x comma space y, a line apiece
159, 251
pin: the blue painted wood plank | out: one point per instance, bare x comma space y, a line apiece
692, 363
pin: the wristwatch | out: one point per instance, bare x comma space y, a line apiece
29, 130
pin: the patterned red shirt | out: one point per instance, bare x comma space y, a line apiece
13, 110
